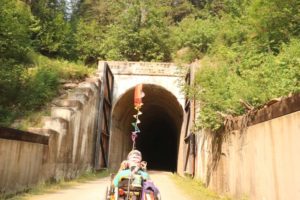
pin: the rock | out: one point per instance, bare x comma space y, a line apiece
70, 85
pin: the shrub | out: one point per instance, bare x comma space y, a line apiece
244, 73
30, 88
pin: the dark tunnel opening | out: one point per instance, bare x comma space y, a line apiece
160, 128
158, 140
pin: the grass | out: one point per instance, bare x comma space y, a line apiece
196, 189
51, 187
29, 88
32, 118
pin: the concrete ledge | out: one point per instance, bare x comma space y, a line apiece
13, 134
40, 131
69, 103
43, 131
83, 98
85, 90
90, 85
94, 80
56, 124
62, 112
280, 108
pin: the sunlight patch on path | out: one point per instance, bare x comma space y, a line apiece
168, 189
93, 190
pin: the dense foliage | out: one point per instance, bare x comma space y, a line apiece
249, 49
28, 80
251, 55
25, 90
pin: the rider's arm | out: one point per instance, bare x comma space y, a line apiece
119, 176
145, 175
116, 179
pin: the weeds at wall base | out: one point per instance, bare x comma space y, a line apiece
196, 189
52, 185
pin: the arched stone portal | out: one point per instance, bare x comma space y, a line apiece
160, 128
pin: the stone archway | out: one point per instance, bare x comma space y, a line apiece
160, 128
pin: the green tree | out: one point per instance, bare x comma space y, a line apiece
15, 21
89, 38
274, 22
53, 34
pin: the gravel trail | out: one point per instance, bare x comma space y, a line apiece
95, 190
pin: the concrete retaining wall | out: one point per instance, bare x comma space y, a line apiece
261, 163
71, 130
19, 169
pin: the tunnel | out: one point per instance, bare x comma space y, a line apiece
160, 128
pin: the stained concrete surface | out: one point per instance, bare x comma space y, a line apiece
261, 163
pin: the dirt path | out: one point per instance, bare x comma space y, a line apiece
168, 189
95, 190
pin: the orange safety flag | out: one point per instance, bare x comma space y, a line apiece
138, 95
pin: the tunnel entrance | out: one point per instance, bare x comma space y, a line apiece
160, 128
